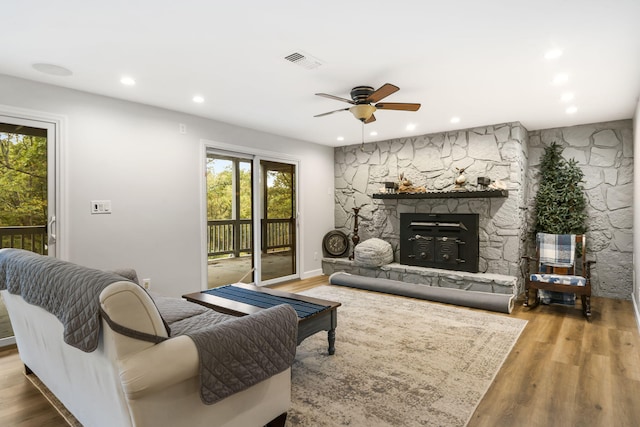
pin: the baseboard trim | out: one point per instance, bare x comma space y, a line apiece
312, 273
636, 310
5, 342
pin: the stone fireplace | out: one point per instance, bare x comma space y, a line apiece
446, 241
503, 152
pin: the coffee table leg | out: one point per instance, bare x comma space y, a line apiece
332, 340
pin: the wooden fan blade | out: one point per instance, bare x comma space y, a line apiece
398, 106
331, 112
370, 119
326, 95
384, 91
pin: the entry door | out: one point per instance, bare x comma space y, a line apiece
278, 221
27, 193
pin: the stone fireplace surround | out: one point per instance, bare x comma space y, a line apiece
505, 152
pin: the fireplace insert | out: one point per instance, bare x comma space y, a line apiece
447, 241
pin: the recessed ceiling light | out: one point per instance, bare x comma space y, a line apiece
455, 119
411, 126
51, 69
561, 78
199, 99
571, 109
127, 81
566, 97
553, 54
340, 138
373, 133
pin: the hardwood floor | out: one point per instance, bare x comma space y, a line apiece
562, 371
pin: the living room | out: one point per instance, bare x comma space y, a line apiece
113, 145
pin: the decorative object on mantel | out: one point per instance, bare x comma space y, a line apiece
498, 185
355, 238
483, 182
406, 186
390, 187
445, 194
460, 180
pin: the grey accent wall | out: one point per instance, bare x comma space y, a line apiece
604, 152
497, 151
511, 154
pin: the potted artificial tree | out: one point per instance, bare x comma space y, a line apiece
559, 204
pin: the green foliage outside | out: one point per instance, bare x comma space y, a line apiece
23, 180
560, 202
279, 195
220, 197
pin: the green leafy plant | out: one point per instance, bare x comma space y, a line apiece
560, 202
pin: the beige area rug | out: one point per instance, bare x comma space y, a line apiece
398, 362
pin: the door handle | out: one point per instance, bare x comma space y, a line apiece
52, 235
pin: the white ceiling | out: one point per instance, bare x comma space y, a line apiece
482, 61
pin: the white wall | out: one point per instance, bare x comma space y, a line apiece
636, 213
133, 155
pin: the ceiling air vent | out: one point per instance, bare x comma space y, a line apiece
304, 60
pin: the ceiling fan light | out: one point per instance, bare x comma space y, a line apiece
362, 112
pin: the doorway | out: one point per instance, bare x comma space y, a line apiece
27, 193
251, 218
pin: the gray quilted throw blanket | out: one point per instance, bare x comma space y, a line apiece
66, 290
238, 353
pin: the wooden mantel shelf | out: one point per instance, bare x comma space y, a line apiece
444, 194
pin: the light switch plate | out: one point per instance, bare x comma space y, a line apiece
100, 207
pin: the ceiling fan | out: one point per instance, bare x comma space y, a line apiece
363, 96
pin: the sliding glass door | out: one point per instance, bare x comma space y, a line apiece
278, 222
251, 226
27, 193
229, 220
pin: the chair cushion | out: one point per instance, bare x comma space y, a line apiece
559, 279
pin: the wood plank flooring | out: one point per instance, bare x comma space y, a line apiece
562, 371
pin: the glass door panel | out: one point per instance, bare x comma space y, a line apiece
229, 220
27, 193
278, 220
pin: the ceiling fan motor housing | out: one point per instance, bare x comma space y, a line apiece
360, 94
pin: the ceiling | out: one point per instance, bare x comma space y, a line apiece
481, 61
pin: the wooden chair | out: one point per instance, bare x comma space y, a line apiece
561, 267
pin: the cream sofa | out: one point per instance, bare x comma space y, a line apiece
131, 382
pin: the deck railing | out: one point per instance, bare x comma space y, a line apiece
31, 238
229, 237
235, 236
278, 234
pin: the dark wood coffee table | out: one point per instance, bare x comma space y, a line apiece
326, 320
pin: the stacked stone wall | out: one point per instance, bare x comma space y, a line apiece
604, 152
511, 154
431, 160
